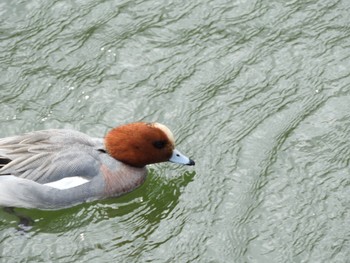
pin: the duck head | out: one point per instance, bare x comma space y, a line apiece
138, 144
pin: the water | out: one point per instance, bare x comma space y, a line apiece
257, 92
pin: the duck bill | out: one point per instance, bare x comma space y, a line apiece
179, 158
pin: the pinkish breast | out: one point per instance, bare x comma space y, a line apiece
123, 180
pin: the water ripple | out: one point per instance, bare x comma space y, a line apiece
256, 91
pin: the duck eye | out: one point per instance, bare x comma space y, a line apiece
159, 144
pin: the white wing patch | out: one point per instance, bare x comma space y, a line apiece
68, 182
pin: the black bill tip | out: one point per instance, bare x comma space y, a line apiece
191, 162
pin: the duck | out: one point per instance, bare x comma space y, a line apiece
60, 168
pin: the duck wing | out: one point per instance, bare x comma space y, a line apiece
50, 155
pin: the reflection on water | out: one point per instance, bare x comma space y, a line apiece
256, 91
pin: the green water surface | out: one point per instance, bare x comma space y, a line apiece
256, 91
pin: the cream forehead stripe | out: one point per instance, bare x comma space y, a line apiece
166, 130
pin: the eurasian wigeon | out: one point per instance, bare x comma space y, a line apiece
54, 169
